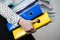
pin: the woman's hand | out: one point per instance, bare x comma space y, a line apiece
27, 25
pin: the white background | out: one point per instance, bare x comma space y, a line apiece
51, 31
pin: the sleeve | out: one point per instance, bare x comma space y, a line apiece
7, 13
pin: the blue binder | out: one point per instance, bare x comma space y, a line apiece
10, 27
32, 12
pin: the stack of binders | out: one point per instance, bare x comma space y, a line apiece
29, 10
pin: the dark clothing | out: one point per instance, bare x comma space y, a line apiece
6, 35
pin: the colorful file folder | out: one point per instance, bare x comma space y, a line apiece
32, 12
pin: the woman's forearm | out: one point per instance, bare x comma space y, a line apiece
11, 16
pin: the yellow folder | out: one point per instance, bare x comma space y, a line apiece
43, 20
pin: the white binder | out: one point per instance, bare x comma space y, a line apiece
22, 4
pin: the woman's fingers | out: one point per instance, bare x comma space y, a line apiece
34, 21
27, 25
31, 31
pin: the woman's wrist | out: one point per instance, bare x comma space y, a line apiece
20, 20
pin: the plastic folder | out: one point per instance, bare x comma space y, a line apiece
44, 19
32, 12
20, 5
